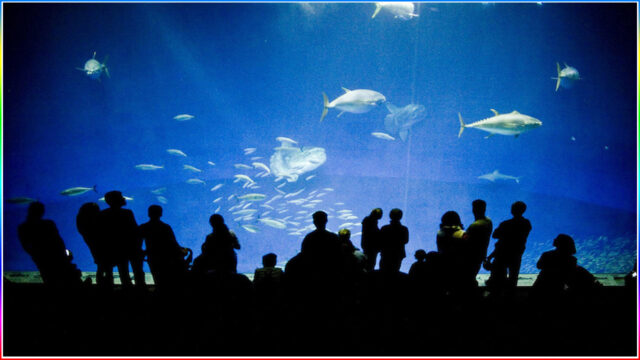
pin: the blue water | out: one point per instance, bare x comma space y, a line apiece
250, 73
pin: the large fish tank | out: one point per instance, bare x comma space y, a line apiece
200, 97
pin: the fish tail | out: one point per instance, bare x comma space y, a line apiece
325, 110
378, 8
558, 79
461, 125
518, 180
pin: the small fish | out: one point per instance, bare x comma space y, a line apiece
149, 167
211, 163
253, 197
309, 206
183, 117
176, 152
259, 165
282, 211
383, 136
606, 147
217, 199
265, 213
328, 189
75, 191
273, 223
241, 177
286, 140
195, 181
344, 211
159, 191
242, 166
256, 158
162, 199
309, 177
230, 197
245, 212
217, 187
294, 194
128, 198
217, 210
249, 151
280, 191
20, 200
191, 168
354, 101
573, 138
281, 185
250, 228
267, 206
496, 175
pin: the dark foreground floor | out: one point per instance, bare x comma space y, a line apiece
386, 319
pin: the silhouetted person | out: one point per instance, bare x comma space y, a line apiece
120, 236
370, 241
453, 245
417, 268
268, 279
40, 239
556, 267
512, 237
354, 260
426, 275
88, 224
164, 255
321, 247
393, 238
479, 234
218, 250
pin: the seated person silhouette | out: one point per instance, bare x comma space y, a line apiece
41, 240
164, 255
121, 239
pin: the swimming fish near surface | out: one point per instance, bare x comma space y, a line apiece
242, 177
383, 136
159, 191
217, 199
149, 167
253, 197
176, 152
191, 168
217, 187
75, 191
566, 76
310, 177
195, 181
20, 200
250, 228
211, 163
249, 151
273, 223
400, 10
183, 117
354, 101
162, 199
512, 123
242, 166
495, 175
259, 165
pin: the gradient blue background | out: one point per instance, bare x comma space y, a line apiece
252, 72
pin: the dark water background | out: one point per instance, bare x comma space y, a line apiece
252, 72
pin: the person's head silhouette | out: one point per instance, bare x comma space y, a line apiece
450, 218
155, 212
420, 255
395, 215
320, 220
269, 260
376, 213
564, 243
115, 199
35, 211
479, 207
216, 221
518, 208
344, 234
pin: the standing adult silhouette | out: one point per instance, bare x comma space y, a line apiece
370, 241
164, 255
88, 224
122, 240
512, 237
218, 250
393, 237
453, 245
479, 235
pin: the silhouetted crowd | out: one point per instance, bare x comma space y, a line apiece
329, 283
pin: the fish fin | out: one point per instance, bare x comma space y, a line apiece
515, 112
565, 64
495, 112
488, 136
94, 55
461, 125
378, 8
106, 71
558, 79
325, 110
345, 89
392, 108
81, 69
341, 112
403, 134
